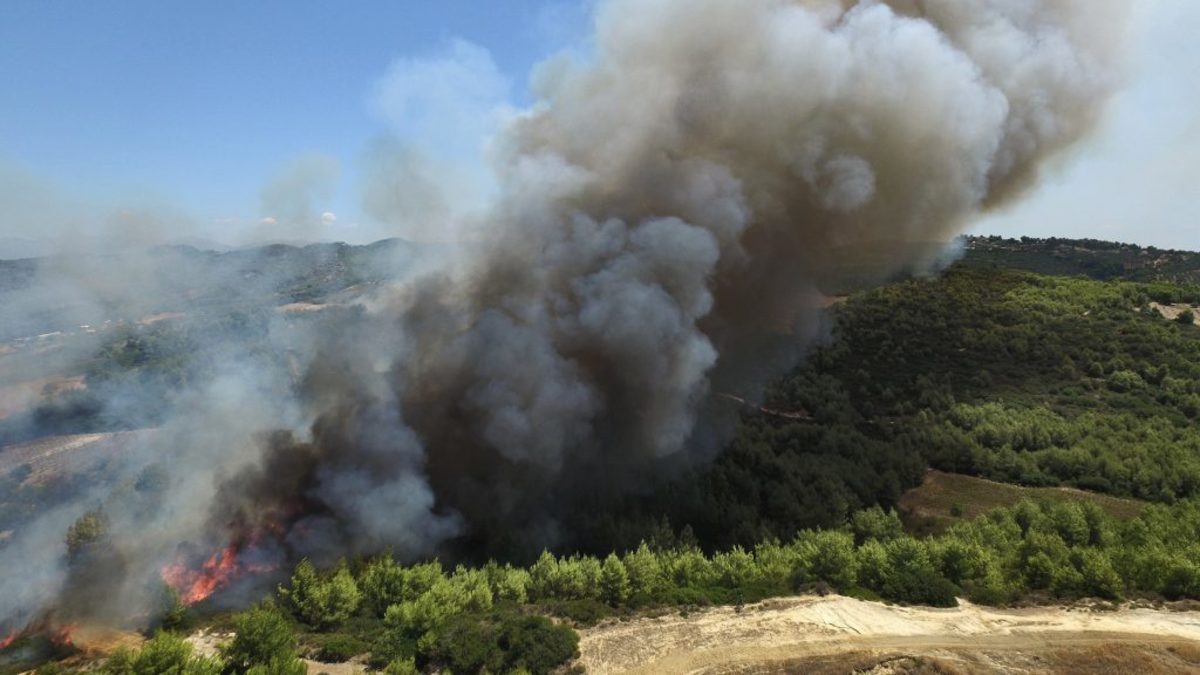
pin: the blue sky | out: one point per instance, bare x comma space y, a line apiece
212, 113
198, 105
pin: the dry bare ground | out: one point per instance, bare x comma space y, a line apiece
57, 455
929, 507
1172, 312
843, 635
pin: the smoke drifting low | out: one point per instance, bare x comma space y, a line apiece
666, 212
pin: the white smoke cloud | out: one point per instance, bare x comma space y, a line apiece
1138, 178
430, 175
292, 198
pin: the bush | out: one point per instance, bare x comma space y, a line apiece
280, 667
875, 523
536, 644
827, 556
165, 653
614, 581
465, 645
508, 582
339, 648
86, 529
1186, 317
382, 583
912, 577
322, 603
401, 667
263, 638
580, 612
471, 644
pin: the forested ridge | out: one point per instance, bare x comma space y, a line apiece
998, 373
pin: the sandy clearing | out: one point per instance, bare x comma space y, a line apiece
1172, 312
721, 639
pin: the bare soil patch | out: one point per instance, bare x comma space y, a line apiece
943, 499
839, 634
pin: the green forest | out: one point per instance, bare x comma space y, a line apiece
999, 373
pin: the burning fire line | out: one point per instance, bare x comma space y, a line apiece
57, 634
215, 573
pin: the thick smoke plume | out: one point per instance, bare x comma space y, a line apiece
667, 212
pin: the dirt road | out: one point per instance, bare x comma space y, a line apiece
838, 634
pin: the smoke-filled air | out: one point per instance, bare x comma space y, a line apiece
667, 215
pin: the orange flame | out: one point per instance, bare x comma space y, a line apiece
57, 635
61, 636
221, 569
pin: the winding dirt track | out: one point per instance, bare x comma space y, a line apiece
785, 635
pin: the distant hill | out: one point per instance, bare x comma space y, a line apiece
1091, 258
41, 295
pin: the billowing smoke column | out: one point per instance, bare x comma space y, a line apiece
666, 211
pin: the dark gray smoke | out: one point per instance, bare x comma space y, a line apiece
667, 211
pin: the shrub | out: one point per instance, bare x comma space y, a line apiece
645, 572
826, 556
508, 582
280, 667
263, 638
614, 581
536, 644
86, 529
470, 644
580, 612
322, 602
340, 647
875, 523
165, 653
401, 667
382, 583
912, 577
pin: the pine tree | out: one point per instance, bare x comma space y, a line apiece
614, 581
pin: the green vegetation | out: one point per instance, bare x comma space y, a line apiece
264, 644
87, 529
322, 602
166, 653
1011, 376
1103, 260
465, 621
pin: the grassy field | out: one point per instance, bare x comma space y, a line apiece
946, 498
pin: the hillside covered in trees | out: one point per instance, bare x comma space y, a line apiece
1004, 374
1089, 257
